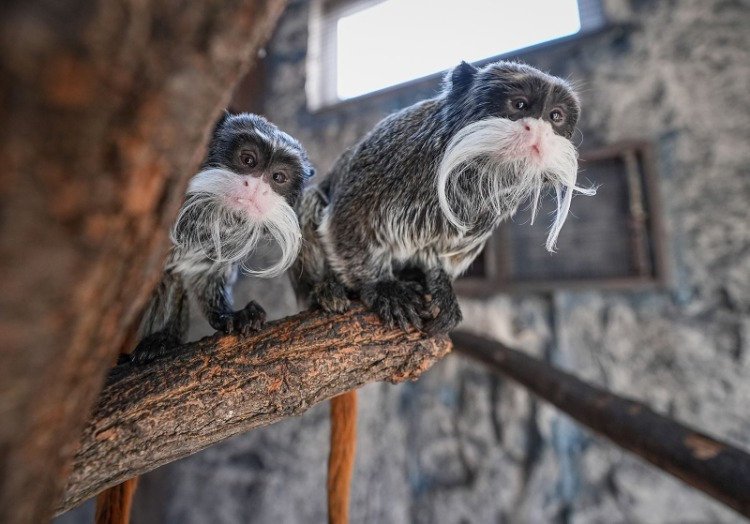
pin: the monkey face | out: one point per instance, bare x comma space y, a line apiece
496, 163
513, 91
268, 162
251, 178
561, 117
515, 140
534, 141
264, 179
533, 96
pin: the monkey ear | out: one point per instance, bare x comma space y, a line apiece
462, 76
223, 118
310, 172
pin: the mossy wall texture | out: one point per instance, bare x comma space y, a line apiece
464, 446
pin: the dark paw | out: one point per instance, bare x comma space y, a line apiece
330, 296
223, 322
444, 314
249, 319
154, 346
397, 302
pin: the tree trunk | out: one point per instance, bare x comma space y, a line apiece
106, 106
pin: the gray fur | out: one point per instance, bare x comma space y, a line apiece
213, 234
378, 217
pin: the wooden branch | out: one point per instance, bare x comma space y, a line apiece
712, 466
218, 387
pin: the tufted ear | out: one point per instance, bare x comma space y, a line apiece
223, 118
462, 76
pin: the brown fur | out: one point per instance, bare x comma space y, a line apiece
341, 458
113, 505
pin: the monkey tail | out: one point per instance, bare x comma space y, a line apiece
113, 505
341, 458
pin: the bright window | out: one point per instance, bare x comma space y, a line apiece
361, 46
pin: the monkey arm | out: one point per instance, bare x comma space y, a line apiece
213, 291
167, 310
330, 294
444, 308
165, 321
312, 277
361, 256
363, 266
416, 290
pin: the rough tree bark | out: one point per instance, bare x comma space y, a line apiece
105, 108
218, 387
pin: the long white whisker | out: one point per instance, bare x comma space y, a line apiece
485, 167
208, 227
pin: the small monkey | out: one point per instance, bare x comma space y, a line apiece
243, 194
409, 207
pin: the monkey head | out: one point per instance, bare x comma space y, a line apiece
269, 164
514, 126
245, 191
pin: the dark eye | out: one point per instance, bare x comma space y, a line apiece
520, 103
249, 159
279, 178
556, 116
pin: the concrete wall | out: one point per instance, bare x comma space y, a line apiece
464, 446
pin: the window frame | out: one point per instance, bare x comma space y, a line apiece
498, 249
321, 73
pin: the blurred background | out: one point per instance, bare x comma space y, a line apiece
648, 295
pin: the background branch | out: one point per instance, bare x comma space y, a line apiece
220, 386
714, 467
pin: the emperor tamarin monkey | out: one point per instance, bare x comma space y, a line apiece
243, 194
410, 206
426, 187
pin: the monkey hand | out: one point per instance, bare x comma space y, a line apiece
444, 314
222, 320
396, 302
154, 346
330, 295
251, 318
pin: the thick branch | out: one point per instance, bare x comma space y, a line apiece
712, 466
221, 386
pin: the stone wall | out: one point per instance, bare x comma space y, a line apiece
464, 446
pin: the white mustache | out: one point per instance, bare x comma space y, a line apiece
505, 176
226, 235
